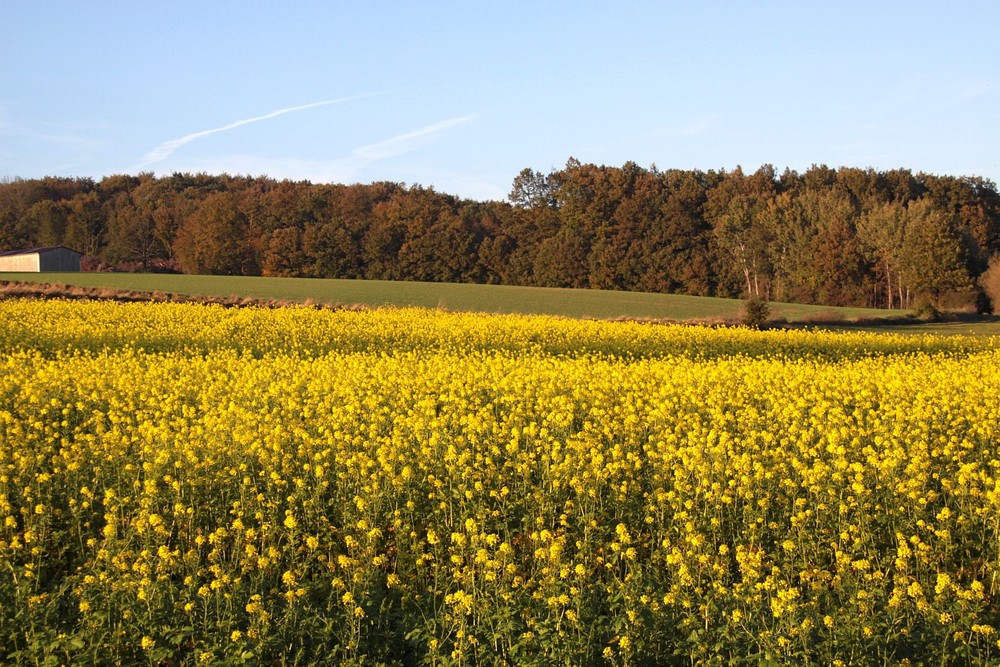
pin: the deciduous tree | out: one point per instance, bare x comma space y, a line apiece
212, 239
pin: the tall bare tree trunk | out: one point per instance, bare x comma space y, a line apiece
888, 284
741, 250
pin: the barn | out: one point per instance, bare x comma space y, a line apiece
51, 258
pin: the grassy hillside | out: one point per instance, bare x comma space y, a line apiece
450, 296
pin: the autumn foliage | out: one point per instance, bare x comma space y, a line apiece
837, 237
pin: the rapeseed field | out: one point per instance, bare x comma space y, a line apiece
193, 485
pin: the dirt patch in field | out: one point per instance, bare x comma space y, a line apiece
12, 289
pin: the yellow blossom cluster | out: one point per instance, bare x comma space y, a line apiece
186, 484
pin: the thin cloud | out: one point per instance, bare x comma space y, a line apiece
694, 128
405, 142
58, 137
340, 170
165, 149
977, 90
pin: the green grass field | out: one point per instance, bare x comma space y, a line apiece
577, 303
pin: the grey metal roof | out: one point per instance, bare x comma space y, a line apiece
32, 251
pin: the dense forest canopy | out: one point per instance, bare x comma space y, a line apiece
831, 236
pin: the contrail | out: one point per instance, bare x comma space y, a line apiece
397, 145
167, 147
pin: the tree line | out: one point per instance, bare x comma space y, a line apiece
843, 236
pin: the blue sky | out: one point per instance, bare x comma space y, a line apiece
461, 96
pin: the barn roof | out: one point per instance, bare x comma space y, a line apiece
32, 251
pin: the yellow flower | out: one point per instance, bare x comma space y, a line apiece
943, 583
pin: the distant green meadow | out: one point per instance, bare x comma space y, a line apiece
576, 303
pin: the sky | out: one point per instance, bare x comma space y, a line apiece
461, 96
